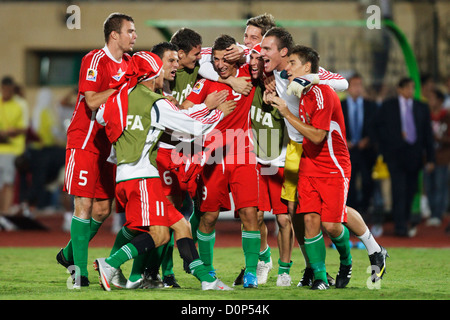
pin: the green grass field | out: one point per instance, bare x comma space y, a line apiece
422, 274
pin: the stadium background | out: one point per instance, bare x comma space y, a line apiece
40, 50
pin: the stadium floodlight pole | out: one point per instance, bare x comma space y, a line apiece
163, 26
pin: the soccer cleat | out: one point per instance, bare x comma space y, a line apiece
134, 284
152, 280
284, 280
378, 263
262, 271
240, 278
62, 260
320, 285
343, 276
215, 285
119, 280
250, 280
330, 280
170, 282
106, 273
307, 279
81, 281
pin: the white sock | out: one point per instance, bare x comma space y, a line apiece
369, 241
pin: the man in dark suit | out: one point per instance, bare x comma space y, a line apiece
359, 114
403, 130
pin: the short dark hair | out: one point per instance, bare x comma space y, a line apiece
160, 48
264, 22
186, 39
8, 81
283, 36
222, 42
114, 23
307, 54
404, 82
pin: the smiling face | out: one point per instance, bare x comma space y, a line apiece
189, 59
274, 59
224, 68
252, 36
256, 65
170, 64
296, 68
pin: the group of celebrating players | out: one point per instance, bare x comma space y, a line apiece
182, 129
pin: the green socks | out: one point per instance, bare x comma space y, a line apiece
80, 236
284, 267
93, 228
122, 238
194, 220
251, 243
199, 270
315, 249
206, 243
265, 255
127, 252
343, 246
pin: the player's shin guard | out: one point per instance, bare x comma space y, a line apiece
316, 251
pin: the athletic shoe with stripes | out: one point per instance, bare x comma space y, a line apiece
215, 285
320, 285
106, 273
378, 263
343, 276
307, 279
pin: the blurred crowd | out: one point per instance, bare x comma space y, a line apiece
33, 139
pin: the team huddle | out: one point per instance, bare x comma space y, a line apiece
183, 128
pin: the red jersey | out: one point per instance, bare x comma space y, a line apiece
98, 70
321, 108
235, 129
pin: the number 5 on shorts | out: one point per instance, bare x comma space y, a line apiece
83, 179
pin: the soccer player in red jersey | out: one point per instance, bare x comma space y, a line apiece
324, 171
231, 164
88, 176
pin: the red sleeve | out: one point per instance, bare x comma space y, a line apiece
93, 73
199, 92
322, 107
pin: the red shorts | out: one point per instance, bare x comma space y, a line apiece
171, 173
325, 196
89, 175
270, 190
145, 204
219, 179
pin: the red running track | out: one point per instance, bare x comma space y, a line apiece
227, 235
